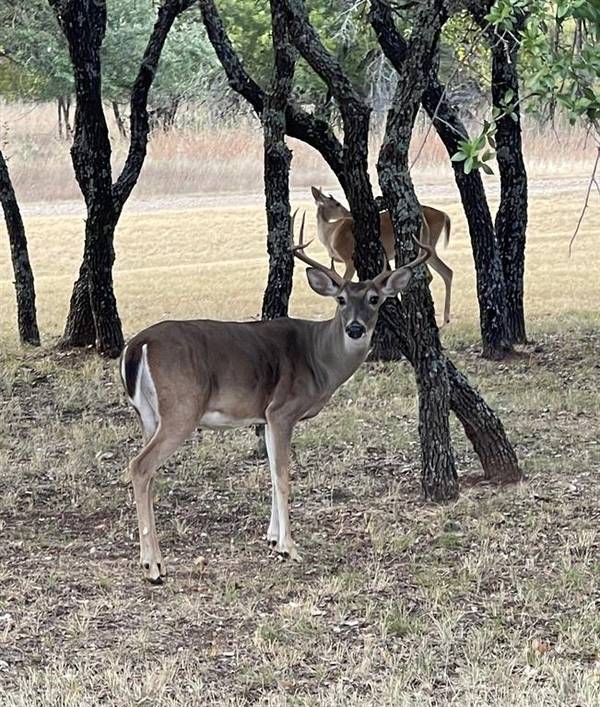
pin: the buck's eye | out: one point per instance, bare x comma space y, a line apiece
374, 299
341, 300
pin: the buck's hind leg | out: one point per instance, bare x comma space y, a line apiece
168, 437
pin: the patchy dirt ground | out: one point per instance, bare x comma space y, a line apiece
491, 600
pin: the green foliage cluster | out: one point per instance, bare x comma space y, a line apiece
34, 59
559, 56
340, 25
559, 66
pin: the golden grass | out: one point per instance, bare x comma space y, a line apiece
211, 263
488, 601
229, 159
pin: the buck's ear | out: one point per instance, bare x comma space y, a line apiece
321, 283
394, 282
317, 194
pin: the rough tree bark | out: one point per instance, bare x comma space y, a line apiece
93, 317
491, 292
440, 480
277, 159
24, 284
491, 289
511, 217
481, 424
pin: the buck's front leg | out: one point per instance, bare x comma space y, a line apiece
278, 438
273, 531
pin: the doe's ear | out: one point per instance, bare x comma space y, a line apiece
321, 283
317, 194
395, 281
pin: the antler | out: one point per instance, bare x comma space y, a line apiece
298, 251
422, 257
428, 252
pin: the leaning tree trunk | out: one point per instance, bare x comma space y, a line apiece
369, 258
511, 217
277, 159
24, 284
491, 289
439, 477
484, 429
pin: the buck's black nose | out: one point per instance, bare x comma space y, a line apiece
355, 330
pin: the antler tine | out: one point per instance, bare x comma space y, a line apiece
423, 256
413, 263
298, 251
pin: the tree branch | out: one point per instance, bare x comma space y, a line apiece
139, 123
299, 124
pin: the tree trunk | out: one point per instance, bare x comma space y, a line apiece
484, 430
93, 316
511, 217
369, 257
384, 345
84, 24
24, 284
119, 119
491, 290
439, 476
99, 259
482, 426
93, 319
277, 159
79, 329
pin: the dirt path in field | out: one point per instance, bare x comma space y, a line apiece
441, 190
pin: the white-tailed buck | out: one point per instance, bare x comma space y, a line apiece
180, 375
335, 228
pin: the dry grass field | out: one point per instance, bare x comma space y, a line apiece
491, 600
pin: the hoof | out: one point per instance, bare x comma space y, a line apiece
155, 581
288, 552
154, 572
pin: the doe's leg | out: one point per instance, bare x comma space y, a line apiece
437, 264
